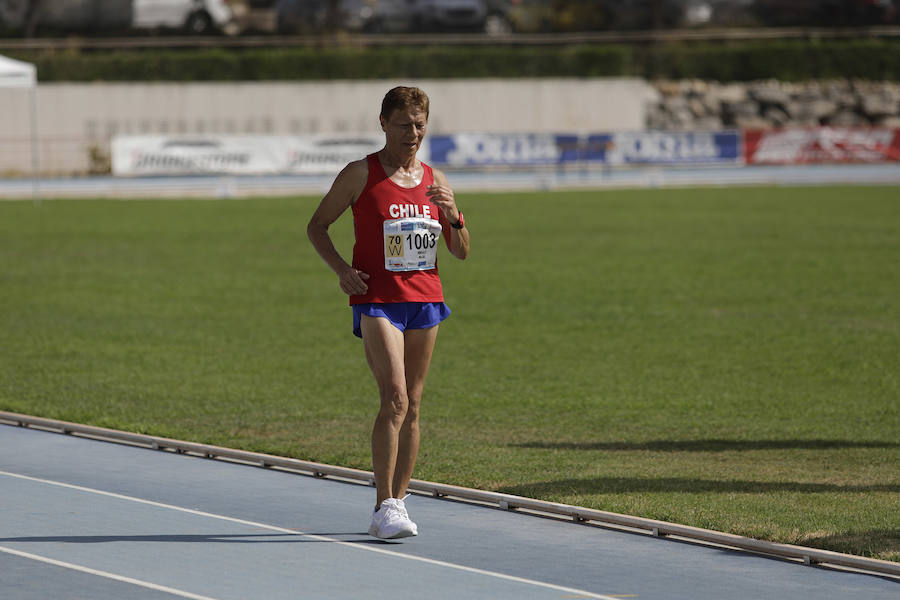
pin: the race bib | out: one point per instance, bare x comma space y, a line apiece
411, 244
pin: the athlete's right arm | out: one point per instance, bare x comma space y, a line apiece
344, 191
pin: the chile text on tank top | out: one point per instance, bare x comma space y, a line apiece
397, 234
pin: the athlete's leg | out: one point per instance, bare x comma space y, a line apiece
384, 345
417, 358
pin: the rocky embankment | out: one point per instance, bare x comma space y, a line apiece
708, 105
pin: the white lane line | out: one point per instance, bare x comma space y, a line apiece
106, 574
431, 561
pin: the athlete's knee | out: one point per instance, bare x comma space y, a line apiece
394, 403
412, 410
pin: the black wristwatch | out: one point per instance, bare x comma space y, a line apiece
460, 223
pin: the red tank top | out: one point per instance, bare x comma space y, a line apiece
397, 230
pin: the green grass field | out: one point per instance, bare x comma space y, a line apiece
723, 358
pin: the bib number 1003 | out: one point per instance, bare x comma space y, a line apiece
411, 244
421, 241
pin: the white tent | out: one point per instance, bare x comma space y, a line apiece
15, 73
18, 74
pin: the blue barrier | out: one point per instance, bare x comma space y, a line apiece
642, 147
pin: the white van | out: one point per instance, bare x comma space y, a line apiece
195, 16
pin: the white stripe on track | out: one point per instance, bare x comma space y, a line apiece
106, 574
431, 561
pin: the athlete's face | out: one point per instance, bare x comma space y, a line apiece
405, 130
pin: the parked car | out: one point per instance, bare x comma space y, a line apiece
401, 16
76, 15
497, 21
645, 14
377, 16
103, 16
195, 16
13, 13
303, 16
547, 16
826, 12
447, 15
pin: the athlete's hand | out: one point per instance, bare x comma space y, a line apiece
353, 282
442, 195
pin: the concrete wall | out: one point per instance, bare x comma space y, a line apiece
77, 121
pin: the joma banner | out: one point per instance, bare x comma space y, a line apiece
639, 147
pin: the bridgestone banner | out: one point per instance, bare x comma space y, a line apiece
240, 155
822, 145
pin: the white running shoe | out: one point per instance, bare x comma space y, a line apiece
389, 522
415, 527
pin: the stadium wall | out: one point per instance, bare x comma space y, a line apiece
77, 121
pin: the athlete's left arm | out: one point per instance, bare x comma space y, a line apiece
442, 195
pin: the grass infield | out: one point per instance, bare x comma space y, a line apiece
722, 358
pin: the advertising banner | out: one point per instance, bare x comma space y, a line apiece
494, 149
673, 148
328, 154
644, 147
331, 153
822, 145
240, 155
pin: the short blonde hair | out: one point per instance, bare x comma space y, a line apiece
404, 98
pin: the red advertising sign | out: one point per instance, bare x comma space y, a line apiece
822, 145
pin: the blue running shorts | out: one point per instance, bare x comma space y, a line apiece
402, 315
